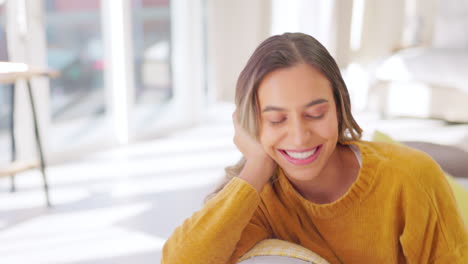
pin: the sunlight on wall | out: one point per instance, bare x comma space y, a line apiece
356, 24
285, 16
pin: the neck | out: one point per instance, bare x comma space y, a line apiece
335, 179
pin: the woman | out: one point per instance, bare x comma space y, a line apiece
306, 177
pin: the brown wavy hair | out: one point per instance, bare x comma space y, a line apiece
283, 51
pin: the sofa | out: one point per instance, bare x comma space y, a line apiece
428, 80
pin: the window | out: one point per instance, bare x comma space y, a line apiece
129, 69
5, 94
75, 48
151, 28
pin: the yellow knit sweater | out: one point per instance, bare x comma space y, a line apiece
400, 209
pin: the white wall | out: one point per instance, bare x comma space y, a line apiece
328, 21
382, 29
234, 30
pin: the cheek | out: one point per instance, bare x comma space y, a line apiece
265, 137
269, 137
328, 128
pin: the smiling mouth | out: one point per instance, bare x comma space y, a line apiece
302, 157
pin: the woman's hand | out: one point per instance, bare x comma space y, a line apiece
249, 146
259, 166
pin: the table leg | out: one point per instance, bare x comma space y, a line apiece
38, 143
12, 133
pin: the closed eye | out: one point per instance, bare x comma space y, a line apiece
277, 122
315, 117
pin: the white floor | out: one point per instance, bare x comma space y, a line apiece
119, 206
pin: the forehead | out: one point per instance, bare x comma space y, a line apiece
294, 86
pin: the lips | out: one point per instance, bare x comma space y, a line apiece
301, 157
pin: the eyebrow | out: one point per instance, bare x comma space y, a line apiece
269, 108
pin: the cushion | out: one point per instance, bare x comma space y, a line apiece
451, 159
449, 33
450, 25
438, 67
460, 193
274, 260
280, 251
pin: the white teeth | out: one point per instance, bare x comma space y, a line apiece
301, 155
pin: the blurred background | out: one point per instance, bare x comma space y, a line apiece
136, 129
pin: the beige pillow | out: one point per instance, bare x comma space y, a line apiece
281, 252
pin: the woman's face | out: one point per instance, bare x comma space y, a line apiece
298, 120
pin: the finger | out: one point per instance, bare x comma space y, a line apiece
235, 121
235, 140
234, 115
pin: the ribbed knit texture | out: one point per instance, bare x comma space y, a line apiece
400, 209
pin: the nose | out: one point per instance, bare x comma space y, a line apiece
299, 132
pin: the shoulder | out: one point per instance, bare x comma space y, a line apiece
413, 177
392, 151
406, 164
397, 155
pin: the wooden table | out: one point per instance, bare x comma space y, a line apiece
11, 73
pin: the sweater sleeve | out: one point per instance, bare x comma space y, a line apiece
225, 228
434, 231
